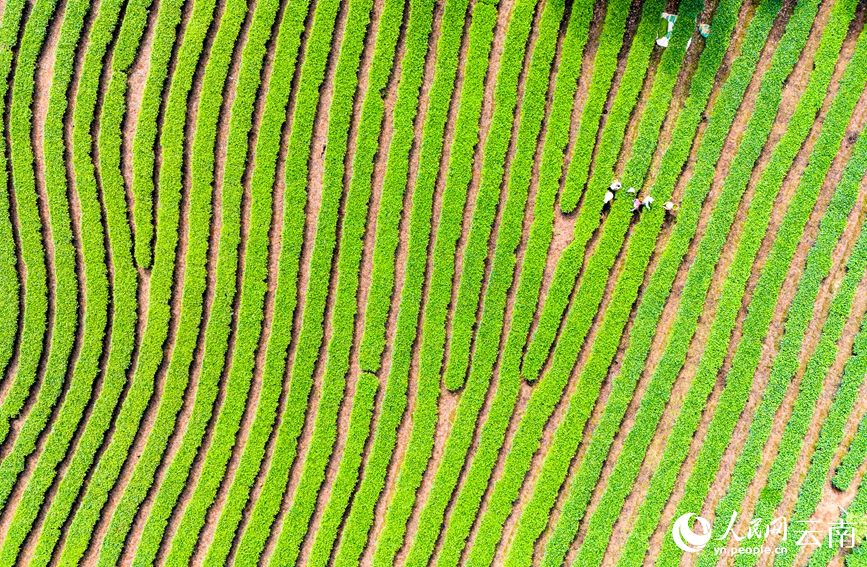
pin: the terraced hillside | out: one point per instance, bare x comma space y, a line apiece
433, 283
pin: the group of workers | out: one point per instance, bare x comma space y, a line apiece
636, 202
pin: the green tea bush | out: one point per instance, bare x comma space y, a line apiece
195, 278
35, 315
493, 430
124, 291
502, 272
65, 320
529, 115
823, 554
312, 74
611, 142
756, 325
826, 351
145, 141
360, 517
852, 460
296, 522
256, 258
291, 27
698, 279
10, 286
604, 66
791, 443
798, 317
347, 473
393, 189
433, 333
418, 29
535, 515
528, 437
96, 294
151, 352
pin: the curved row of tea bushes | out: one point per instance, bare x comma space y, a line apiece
347, 475
145, 141
536, 512
65, 323
9, 282
393, 190
433, 332
151, 353
65, 318
823, 554
493, 430
255, 262
241, 123
502, 273
604, 67
610, 145
10, 285
852, 460
810, 387
210, 104
124, 290
829, 440
360, 517
418, 29
354, 223
194, 282
831, 434
34, 317
312, 330
96, 293
541, 404
698, 280
833, 128
491, 181
773, 275
365, 391
237, 385
312, 75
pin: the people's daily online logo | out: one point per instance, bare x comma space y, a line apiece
692, 533
685, 538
